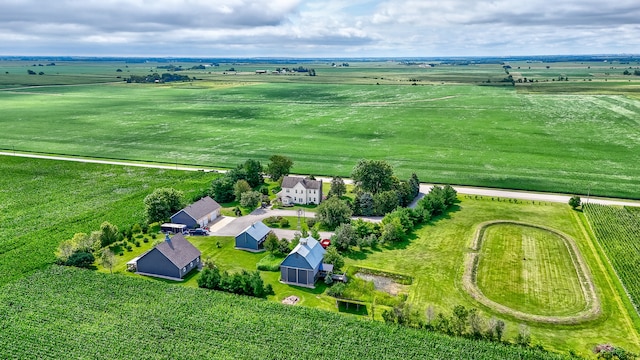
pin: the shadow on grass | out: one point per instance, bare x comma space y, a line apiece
355, 309
192, 274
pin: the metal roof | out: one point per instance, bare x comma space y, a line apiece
257, 230
311, 250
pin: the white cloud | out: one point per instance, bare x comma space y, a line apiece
318, 27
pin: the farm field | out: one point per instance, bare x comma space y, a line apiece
45, 202
574, 137
75, 313
617, 230
571, 137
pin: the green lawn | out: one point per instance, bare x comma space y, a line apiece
44, 202
535, 137
434, 257
529, 270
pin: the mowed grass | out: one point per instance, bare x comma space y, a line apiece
434, 257
529, 270
44, 202
458, 134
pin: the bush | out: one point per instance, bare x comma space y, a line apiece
81, 259
336, 290
311, 222
146, 240
284, 222
129, 248
137, 243
154, 227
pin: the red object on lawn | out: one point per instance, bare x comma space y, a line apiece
325, 243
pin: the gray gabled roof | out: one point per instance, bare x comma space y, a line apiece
311, 250
257, 230
201, 208
178, 250
291, 181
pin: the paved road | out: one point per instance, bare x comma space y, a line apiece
424, 188
233, 227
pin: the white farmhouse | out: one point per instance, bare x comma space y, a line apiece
298, 190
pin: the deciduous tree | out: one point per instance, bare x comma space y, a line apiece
162, 203
333, 212
344, 237
253, 170
278, 167
333, 257
373, 176
338, 188
108, 259
250, 199
241, 186
575, 201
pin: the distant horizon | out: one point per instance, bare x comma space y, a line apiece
318, 28
596, 56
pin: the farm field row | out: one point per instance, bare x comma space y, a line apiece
461, 134
68, 308
617, 230
45, 202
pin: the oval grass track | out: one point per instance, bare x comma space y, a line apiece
533, 283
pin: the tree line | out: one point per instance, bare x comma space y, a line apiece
155, 77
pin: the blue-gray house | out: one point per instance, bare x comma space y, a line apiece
303, 265
252, 238
173, 258
198, 214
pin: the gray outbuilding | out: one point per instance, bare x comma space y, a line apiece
198, 214
252, 238
173, 259
303, 265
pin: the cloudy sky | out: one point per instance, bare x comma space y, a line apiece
318, 28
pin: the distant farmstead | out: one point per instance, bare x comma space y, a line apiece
198, 214
172, 259
298, 190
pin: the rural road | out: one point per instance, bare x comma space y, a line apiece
424, 188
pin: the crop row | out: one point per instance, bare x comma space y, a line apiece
45, 202
71, 313
618, 232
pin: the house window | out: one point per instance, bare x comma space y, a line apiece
184, 269
287, 190
191, 264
